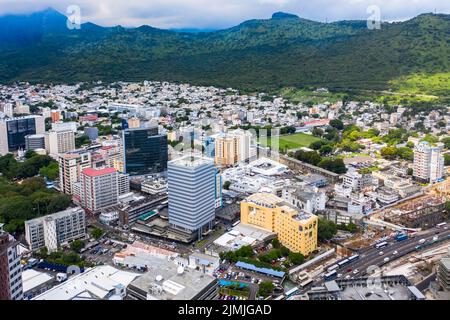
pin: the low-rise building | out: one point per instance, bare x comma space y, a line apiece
308, 199
55, 230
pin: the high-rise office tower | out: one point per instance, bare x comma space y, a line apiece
14, 130
10, 268
192, 193
428, 162
145, 151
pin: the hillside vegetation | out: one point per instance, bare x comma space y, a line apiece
284, 51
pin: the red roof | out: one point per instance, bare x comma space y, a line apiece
96, 173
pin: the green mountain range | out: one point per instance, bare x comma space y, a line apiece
284, 51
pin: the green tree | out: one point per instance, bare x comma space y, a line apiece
276, 243
338, 124
311, 157
446, 142
30, 154
335, 165
77, 245
316, 145
227, 185
296, 258
326, 150
97, 233
389, 153
447, 159
266, 289
405, 153
326, 230
51, 172
82, 140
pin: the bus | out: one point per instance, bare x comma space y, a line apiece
306, 283
381, 245
343, 263
441, 225
333, 267
330, 275
291, 292
354, 258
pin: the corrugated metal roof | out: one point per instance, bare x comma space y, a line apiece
271, 272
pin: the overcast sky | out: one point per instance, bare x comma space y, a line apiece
216, 14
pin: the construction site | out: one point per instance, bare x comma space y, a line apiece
420, 213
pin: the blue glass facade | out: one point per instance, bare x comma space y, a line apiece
145, 151
17, 130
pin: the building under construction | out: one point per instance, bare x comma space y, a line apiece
423, 212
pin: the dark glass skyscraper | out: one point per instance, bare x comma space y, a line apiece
14, 130
145, 151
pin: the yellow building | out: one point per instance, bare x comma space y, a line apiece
134, 123
296, 230
227, 151
172, 136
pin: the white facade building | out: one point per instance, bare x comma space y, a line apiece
70, 167
55, 230
99, 189
10, 267
58, 142
428, 162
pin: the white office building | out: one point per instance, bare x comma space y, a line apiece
55, 230
10, 267
192, 193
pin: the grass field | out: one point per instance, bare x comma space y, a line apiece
293, 141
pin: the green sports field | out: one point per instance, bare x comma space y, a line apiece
293, 141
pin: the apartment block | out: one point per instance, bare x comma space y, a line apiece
70, 167
98, 189
428, 162
56, 230
10, 268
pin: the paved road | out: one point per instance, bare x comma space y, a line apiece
373, 257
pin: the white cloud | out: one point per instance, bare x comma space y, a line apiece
222, 13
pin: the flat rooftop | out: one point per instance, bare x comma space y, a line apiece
96, 283
191, 161
56, 215
168, 281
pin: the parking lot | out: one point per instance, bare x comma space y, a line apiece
252, 279
103, 252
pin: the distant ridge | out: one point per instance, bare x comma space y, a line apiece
283, 15
259, 54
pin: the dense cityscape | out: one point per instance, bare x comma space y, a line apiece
164, 191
